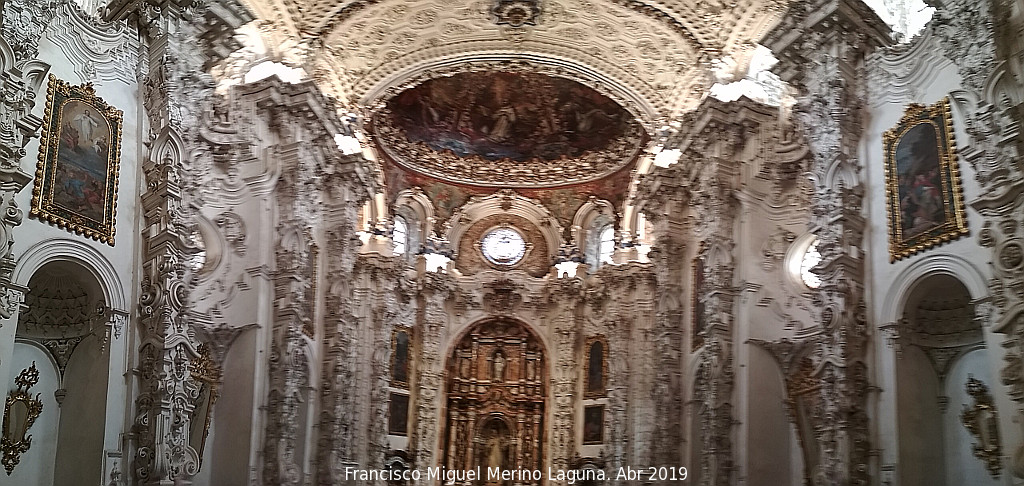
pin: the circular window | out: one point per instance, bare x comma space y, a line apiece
503, 246
811, 257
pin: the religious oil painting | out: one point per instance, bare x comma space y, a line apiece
593, 424
925, 199
79, 159
597, 367
518, 116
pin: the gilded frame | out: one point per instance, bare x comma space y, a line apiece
922, 181
79, 162
593, 415
32, 407
205, 372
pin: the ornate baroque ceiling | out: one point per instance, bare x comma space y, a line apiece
651, 57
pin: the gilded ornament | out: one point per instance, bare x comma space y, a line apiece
20, 412
79, 161
922, 181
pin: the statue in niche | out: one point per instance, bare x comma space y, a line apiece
531, 370
494, 449
498, 366
464, 367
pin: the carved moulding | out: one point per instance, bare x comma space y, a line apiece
922, 181
982, 421
20, 412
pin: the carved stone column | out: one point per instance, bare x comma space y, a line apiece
825, 64
21, 75
435, 290
346, 190
715, 206
670, 265
175, 88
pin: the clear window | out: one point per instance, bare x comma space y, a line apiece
400, 235
810, 258
606, 245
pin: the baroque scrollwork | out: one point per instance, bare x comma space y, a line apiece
982, 420
20, 411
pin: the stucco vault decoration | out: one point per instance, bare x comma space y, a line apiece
658, 51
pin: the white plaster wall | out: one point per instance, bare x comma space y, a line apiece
83, 416
962, 467
769, 434
113, 57
36, 466
922, 76
921, 458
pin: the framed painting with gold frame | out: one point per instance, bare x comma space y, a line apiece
79, 161
922, 181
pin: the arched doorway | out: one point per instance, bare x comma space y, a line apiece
942, 373
62, 331
495, 400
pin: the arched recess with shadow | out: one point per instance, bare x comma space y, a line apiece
64, 318
942, 370
496, 396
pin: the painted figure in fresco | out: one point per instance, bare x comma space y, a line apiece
503, 120
506, 115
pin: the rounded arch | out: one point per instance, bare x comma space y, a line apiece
462, 333
63, 249
904, 283
489, 361
505, 202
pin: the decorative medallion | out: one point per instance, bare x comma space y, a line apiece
516, 13
922, 181
507, 129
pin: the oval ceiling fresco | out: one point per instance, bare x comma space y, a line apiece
508, 128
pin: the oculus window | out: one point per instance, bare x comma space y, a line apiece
503, 246
808, 260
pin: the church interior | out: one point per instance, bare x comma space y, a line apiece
548, 242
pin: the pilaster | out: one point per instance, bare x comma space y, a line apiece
821, 46
176, 89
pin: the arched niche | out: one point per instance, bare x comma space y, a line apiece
936, 333
76, 252
65, 315
495, 398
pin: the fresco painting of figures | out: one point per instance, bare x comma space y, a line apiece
79, 159
518, 116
